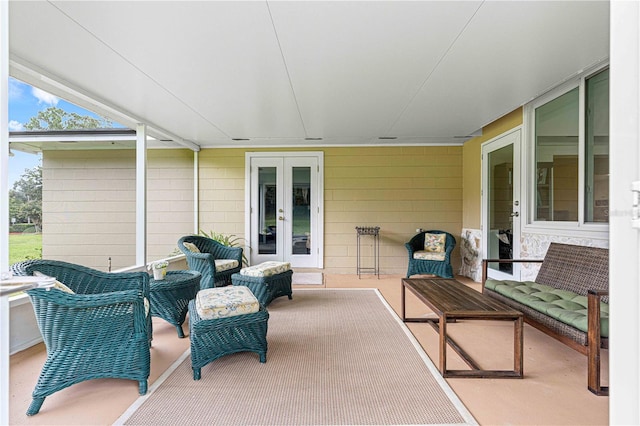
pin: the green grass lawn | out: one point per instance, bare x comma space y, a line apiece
24, 246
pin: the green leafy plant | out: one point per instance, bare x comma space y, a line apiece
227, 240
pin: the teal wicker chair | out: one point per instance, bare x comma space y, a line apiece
441, 268
210, 253
102, 330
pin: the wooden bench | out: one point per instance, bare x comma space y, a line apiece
568, 300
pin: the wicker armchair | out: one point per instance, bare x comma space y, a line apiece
210, 253
101, 330
441, 268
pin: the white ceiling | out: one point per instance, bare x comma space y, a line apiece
206, 72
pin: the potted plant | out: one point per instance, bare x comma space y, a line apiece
159, 269
227, 240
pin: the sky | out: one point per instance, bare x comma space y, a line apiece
24, 102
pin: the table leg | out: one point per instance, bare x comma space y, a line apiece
402, 295
443, 344
518, 346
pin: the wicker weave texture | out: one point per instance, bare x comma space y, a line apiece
204, 262
575, 268
102, 331
212, 339
266, 288
170, 297
442, 268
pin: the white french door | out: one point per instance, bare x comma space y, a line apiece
501, 204
284, 208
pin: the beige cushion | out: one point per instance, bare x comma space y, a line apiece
266, 269
191, 247
56, 284
225, 264
223, 302
434, 243
427, 255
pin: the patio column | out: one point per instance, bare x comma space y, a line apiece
4, 203
624, 240
141, 194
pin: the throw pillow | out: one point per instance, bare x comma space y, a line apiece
191, 247
434, 243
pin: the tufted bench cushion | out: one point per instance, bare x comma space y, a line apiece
223, 302
565, 306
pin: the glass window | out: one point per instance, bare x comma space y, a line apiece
556, 144
597, 149
562, 144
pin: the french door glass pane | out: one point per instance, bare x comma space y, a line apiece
301, 215
267, 210
501, 207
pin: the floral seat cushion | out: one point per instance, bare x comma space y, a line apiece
225, 264
224, 302
266, 269
428, 255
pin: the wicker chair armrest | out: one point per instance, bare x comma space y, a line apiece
225, 252
410, 248
83, 301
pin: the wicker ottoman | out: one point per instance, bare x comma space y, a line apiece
225, 328
267, 280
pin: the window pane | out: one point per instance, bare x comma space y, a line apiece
301, 218
556, 146
597, 149
267, 209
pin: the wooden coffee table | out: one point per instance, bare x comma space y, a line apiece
451, 301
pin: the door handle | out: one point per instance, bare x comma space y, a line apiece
515, 214
280, 217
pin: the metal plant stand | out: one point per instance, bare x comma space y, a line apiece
373, 231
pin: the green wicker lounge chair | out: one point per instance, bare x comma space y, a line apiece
101, 330
216, 262
429, 263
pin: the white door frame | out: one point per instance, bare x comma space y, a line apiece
317, 214
514, 137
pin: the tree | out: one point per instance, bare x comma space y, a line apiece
54, 118
25, 199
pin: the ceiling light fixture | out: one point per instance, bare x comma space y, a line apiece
312, 139
387, 137
239, 139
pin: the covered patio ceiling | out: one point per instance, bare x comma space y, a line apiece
270, 73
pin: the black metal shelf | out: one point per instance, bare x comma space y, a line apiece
373, 231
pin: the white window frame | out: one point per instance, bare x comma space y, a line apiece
570, 229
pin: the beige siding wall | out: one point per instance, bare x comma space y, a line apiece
89, 205
399, 189
222, 191
89, 200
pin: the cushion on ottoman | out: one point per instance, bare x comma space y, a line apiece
223, 302
266, 269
